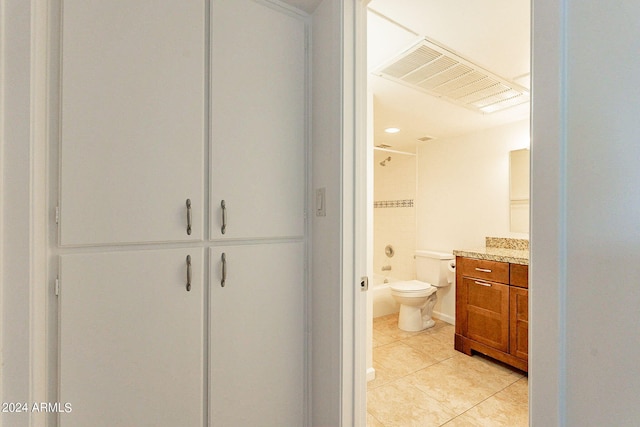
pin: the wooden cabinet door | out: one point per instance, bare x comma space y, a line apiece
257, 335
132, 120
131, 339
258, 115
519, 322
486, 306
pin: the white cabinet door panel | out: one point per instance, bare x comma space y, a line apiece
132, 120
131, 339
257, 336
257, 120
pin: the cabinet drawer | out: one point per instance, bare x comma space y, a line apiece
494, 271
519, 275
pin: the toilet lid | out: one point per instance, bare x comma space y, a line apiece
410, 286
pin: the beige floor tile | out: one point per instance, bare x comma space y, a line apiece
482, 371
462, 421
402, 358
456, 386
385, 375
391, 329
445, 334
508, 408
431, 345
380, 338
372, 421
517, 393
454, 389
389, 318
422, 381
399, 404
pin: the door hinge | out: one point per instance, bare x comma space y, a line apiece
57, 286
364, 283
57, 214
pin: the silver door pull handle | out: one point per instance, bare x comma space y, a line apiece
223, 205
483, 284
188, 273
189, 217
484, 270
224, 269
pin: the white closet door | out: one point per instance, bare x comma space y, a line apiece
131, 339
257, 336
133, 115
257, 120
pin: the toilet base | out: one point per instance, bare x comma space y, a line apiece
415, 319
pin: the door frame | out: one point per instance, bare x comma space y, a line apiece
547, 345
25, 288
355, 201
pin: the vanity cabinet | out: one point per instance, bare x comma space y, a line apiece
492, 310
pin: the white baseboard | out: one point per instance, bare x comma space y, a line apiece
444, 317
371, 374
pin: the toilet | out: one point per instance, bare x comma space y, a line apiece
418, 297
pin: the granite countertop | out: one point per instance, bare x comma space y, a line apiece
515, 251
514, 256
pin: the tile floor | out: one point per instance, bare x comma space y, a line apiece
422, 381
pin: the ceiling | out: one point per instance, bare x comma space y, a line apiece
493, 34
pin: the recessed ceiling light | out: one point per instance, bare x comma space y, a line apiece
392, 130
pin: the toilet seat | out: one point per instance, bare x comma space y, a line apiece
413, 288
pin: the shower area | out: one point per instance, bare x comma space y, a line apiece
394, 224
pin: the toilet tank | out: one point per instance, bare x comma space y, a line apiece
434, 267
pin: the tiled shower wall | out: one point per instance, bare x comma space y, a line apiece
394, 214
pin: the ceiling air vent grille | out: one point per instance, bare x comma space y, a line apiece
431, 68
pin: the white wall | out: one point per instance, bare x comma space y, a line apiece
15, 193
395, 226
585, 209
463, 193
326, 245
603, 214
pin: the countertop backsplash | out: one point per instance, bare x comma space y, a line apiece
507, 243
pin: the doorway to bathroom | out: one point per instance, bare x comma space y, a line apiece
449, 93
